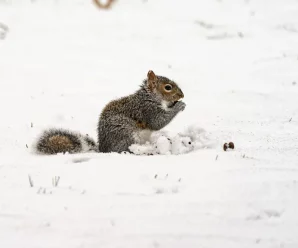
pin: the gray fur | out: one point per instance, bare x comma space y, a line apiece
117, 126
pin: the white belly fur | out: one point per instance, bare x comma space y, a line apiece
141, 137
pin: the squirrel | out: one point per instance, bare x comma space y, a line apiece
123, 122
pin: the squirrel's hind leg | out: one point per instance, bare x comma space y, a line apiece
115, 137
137, 136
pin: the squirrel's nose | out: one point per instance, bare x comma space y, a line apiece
181, 94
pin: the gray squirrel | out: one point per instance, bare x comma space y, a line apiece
123, 122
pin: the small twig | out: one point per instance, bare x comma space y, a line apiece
30, 181
55, 181
290, 119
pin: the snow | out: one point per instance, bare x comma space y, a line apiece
167, 143
236, 61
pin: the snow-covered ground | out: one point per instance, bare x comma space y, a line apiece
236, 61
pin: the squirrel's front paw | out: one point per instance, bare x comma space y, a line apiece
180, 106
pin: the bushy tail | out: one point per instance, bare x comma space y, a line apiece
55, 141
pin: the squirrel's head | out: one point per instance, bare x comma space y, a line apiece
163, 88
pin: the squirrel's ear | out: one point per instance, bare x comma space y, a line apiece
151, 80
151, 75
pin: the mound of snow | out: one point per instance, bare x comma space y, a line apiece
165, 143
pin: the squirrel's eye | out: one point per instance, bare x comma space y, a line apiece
168, 87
